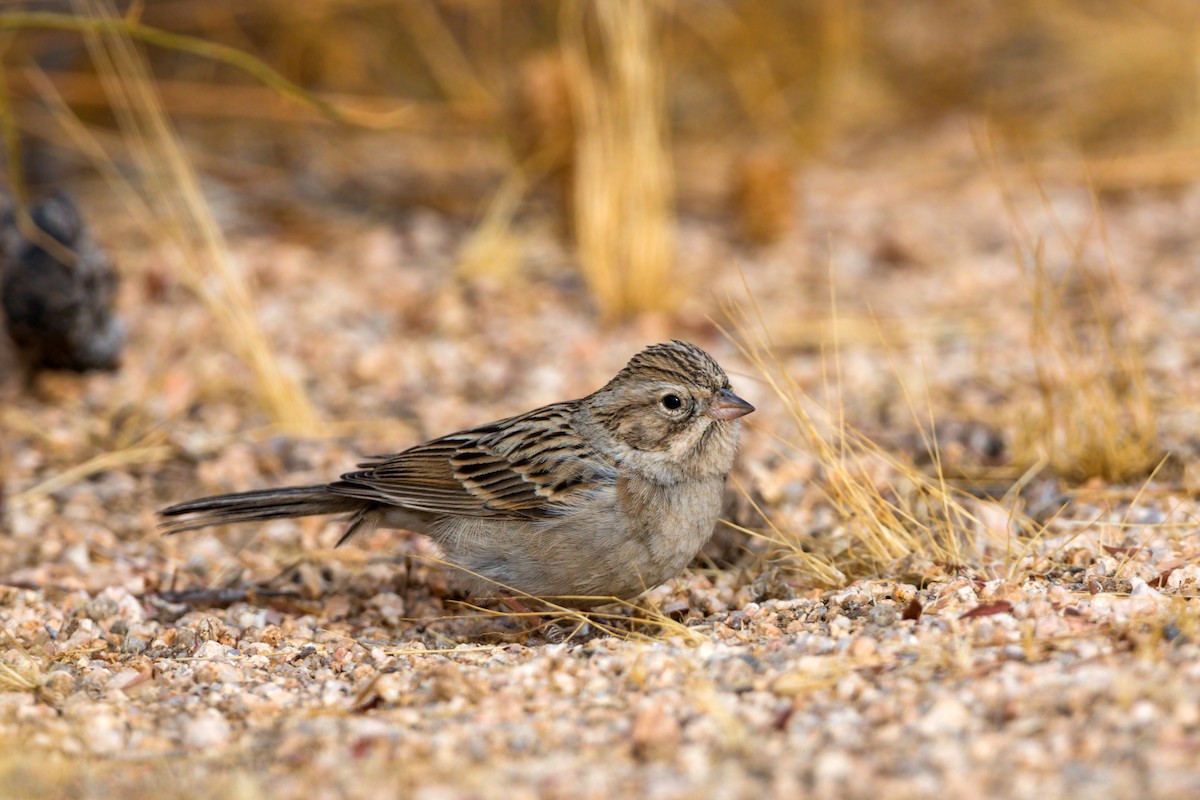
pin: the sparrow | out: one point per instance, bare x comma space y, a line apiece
59, 313
601, 497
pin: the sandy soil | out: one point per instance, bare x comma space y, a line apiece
262, 662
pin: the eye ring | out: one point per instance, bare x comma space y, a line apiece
671, 402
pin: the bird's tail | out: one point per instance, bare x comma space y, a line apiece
285, 503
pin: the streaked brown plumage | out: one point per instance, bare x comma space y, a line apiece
604, 496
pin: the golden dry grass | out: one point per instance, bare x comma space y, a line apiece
193, 241
633, 620
887, 510
37, 775
1087, 413
804, 74
623, 188
167, 192
1091, 413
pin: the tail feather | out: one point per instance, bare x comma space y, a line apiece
257, 506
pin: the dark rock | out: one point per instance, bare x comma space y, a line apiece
58, 301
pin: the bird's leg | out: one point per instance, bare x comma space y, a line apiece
515, 604
553, 632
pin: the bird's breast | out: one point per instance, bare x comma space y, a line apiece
669, 522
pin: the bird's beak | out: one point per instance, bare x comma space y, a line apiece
728, 405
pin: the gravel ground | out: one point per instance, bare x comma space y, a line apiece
262, 662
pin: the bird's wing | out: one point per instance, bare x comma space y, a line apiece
520, 468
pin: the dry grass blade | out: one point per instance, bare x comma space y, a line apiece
573, 610
494, 248
130, 29
104, 462
623, 181
74, 133
185, 221
886, 509
246, 102
813, 569
1092, 414
20, 679
440, 50
747, 67
28, 677
25, 223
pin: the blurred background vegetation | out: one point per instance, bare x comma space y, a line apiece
573, 150
610, 120
443, 98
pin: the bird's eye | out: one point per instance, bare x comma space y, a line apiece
671, 402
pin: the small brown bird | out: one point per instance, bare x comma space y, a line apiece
600, 497
59, 313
